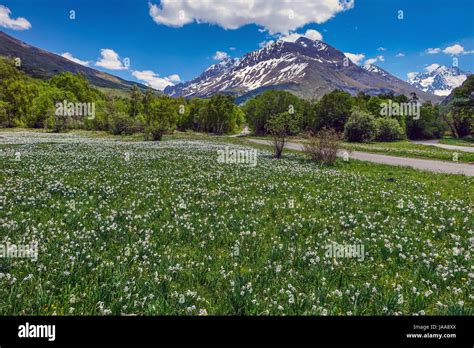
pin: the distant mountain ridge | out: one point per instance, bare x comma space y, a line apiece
439, 79
43, 64
307, 68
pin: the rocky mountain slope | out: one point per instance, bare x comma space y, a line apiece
305, 67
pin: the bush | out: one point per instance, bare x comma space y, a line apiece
388, 129
122, 124
281, 126
360, 127
323, 146
154, 132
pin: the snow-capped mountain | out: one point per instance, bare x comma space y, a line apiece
375, 69
307, 68
439, 79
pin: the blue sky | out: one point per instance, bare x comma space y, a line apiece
166, 43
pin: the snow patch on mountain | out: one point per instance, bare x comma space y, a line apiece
438, 79
308, 68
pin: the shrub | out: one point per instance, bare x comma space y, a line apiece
323, 146
388, 129
280, 126
154, 132
122, 124
360, 127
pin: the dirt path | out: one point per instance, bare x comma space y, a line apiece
444, 146
422, 164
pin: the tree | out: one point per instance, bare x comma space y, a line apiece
388, 129
374, 105
77, 85
360, 127
219, 115
333, 110
18, 94
459, 113
44, 109
259, 109
163, 118
136, 105
280, 126
3, 113
148, 98
428, 126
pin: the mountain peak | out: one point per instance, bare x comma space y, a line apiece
375, 69
308, 68
439, 79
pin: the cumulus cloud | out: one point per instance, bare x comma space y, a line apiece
292, 37
310, 34
374, 60
381, 49
432, 67
70, 57
6, 21
154, 80
399, 55
174, 78
356, 58
276, 16
110, 60
219, 55
433, 50
456, 50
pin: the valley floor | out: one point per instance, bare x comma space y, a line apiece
132, 227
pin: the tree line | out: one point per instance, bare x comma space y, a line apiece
29, 102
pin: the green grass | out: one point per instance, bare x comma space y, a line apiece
402, 149
173, 231
407, 149
457, 141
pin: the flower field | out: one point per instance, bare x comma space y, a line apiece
164, 228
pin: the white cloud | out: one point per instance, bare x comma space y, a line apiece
70, 57
110, 60
356, 58
381, 49
154, 80
6, 21
456, 50
292, 37
276, 16
399, 55
433, 50
310, 34
374, 60
412, 74
174, 78
219, 55
432, 67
